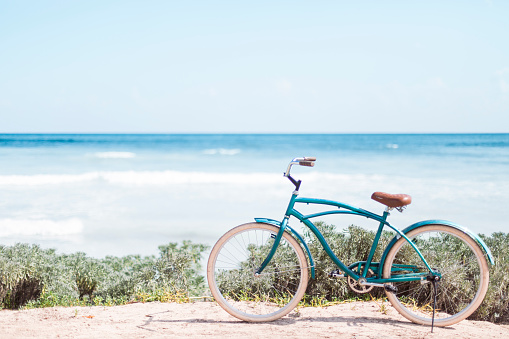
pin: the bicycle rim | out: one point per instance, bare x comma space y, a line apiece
236, 288
464, 275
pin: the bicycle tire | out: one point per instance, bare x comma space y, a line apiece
232, 280
464, 270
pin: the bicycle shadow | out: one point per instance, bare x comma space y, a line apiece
349, 321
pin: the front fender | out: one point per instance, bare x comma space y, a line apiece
296, 235
472, 235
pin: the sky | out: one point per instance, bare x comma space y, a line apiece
254, 66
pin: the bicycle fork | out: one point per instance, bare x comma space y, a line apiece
282, 227
277, 240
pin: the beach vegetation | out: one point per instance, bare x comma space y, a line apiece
353, 244
34, 277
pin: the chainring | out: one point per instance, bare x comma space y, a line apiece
356, 286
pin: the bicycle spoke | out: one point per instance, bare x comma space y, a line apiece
270, 294
460, 284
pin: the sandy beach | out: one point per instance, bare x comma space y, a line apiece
207, 319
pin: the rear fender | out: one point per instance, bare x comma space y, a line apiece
294, 234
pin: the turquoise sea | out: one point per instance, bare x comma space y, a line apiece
126, 194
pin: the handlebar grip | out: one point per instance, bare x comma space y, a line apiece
307, 163
309, 159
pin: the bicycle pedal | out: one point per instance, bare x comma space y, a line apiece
336, 274
390, 288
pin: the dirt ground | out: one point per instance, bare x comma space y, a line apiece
207, 319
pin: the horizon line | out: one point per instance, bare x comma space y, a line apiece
246, 133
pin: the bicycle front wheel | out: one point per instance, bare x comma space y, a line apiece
461, 263
245, 295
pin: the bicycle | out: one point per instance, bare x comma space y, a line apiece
259, 271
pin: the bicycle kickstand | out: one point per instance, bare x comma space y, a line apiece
434, 282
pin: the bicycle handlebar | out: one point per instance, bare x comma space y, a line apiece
304, 161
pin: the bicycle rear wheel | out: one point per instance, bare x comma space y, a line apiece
461, 263
265, 297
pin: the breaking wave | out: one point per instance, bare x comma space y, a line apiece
138, 178
115, 155
221, 151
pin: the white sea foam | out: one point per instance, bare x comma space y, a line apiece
222, 151
16, 227
115, 155
151, 207
316, 180
46, 179
330, 185
138, 178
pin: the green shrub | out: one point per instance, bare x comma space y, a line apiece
27, 271
495, 307
241, 285
353, 244
30, 275
180, 267
350, 245
35, 277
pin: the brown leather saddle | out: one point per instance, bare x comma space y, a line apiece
392, 200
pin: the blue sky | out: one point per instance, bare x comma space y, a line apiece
260, 66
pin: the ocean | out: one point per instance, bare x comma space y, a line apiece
119, 194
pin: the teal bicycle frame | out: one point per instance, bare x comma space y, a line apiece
376, 267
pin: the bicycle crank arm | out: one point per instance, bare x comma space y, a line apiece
371, 284
387, 287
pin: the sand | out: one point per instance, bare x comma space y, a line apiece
207, 319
